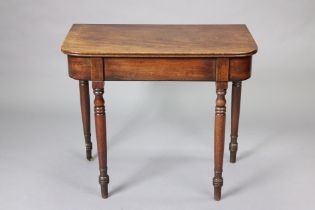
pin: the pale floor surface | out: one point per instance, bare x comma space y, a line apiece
154, 163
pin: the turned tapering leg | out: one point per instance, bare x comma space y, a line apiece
100, 126
235, 114
85, 111
219, 138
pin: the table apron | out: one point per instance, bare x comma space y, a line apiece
155, 69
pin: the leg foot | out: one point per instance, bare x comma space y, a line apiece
217, 193
104, 180
217, 183
88, 147
233, 150
104, 190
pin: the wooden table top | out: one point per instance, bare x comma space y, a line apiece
117, 40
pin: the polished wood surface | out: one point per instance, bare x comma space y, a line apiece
107, 40
153, 69
100, 127
219, 53
219, 130
222, 76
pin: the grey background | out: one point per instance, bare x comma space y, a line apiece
160, 134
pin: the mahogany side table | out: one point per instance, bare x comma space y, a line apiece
104, 52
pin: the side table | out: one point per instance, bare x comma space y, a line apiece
105, 52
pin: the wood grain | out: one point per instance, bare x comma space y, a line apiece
153, 69
117, 40
222, 69
79, 68
240, 68
166, 69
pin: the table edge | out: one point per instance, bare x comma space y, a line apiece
177, 55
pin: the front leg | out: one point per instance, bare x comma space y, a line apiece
219, 138
100, 126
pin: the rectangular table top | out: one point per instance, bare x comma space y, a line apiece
119, 40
